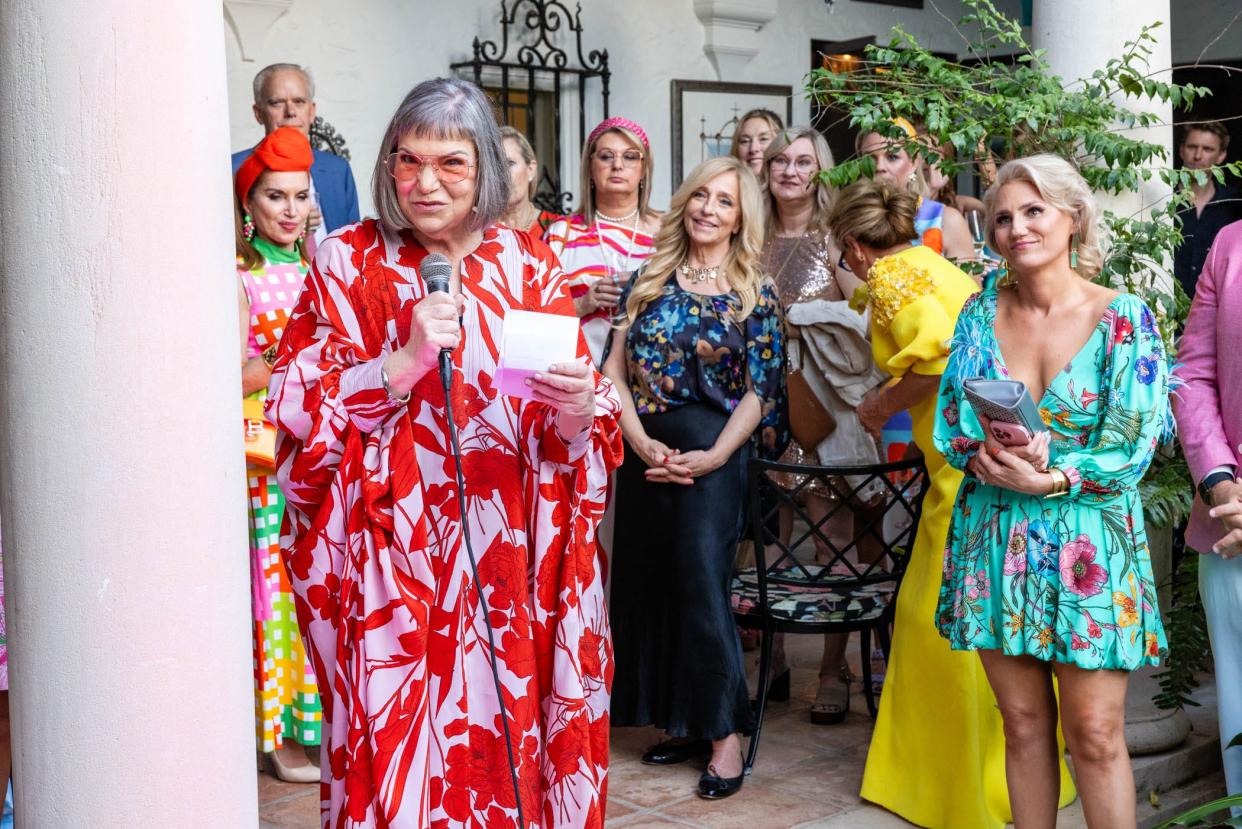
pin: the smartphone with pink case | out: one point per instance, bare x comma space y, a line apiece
1007, 404
1011, 434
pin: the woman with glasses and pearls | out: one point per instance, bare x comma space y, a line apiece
755, 131
611, 233
522, 213
399, 627
801, 258
698, 348
272, 204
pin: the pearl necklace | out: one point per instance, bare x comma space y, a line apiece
616, 220
697, 276
604, 248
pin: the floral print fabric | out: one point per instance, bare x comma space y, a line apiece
1064, 579
685, 347
373, 542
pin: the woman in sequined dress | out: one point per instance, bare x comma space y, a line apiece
800, 257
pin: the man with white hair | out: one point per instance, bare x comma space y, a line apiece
284, 96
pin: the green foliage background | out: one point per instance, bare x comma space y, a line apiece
1005, 97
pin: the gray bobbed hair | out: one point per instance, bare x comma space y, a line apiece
446, 109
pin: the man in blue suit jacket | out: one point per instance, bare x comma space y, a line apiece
284, 96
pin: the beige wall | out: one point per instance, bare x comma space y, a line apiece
366, 54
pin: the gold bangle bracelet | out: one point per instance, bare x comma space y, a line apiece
1060, 483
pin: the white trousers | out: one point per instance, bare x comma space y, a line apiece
1220, 585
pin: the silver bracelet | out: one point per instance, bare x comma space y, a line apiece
388, 389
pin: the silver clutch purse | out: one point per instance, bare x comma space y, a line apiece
1005, 401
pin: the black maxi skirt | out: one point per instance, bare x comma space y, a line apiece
676, 651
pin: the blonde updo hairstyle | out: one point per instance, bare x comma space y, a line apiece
672, 244
874, 213
821, 205
1060, 185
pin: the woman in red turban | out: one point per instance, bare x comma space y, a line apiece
271, 205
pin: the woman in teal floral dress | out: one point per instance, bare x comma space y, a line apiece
1047, 570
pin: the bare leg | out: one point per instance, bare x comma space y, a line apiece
1094, 716
838, 527
727, 756
1023, 688
870, 547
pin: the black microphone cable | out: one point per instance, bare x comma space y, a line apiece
436, 270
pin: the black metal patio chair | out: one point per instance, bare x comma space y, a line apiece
789, 592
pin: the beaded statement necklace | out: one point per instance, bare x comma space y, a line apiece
697, 276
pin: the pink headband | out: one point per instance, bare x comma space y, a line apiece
623, 123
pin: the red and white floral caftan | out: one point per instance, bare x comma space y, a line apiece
373, 544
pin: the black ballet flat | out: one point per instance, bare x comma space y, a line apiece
671, 752
712, 787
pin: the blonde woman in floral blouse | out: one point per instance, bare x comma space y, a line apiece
1047, 571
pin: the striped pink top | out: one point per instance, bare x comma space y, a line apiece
589, 252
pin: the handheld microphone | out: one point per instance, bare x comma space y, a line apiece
437, 270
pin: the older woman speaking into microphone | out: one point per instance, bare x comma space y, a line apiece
422, 728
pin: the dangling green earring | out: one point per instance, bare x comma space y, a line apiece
1074, 251
247, 227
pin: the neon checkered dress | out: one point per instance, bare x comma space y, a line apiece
287, 702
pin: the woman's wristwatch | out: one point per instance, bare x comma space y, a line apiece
388, 389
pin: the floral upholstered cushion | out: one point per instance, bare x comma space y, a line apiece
798, 598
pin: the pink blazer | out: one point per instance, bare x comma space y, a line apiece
1209, 404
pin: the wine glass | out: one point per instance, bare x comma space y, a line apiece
974, 218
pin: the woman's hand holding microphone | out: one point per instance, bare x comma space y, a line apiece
434, 325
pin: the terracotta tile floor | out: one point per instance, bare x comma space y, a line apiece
806, 776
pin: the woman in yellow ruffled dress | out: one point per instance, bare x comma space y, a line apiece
937, 755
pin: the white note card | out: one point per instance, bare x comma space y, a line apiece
531, 342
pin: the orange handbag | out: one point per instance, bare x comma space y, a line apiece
260, 434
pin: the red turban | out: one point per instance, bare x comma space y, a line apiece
285, 149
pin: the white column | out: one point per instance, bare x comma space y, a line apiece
121, 479
1080, 37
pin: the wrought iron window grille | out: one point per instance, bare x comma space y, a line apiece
323, 136
531, 28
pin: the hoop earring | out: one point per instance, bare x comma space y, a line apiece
1074, 251
247, 227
